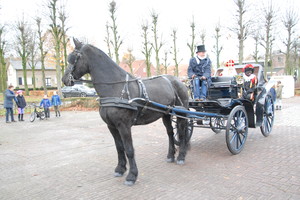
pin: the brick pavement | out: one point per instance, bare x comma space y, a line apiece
73, 157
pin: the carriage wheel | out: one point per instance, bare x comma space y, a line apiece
32, 116
268, 117
237, 129
216, 124
175, 130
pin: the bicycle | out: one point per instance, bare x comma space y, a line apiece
38, 112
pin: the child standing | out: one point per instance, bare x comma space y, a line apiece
56, 103
46, 104
21, 105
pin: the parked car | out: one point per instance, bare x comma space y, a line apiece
78, 91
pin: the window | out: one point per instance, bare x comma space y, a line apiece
280, 59
20, 81
48, 81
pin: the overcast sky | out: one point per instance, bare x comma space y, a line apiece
87, 19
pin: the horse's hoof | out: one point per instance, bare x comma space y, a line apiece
117, 174
180, 162
129, 183
170, 160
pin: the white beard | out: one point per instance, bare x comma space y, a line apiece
201, 58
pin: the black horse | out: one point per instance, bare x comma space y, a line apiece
116, 86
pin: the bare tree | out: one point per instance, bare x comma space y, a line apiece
146, 48
290, 20
156, 45
33, 48
41, 41
175, 51
56, 32
116, 42
165, 63
256, 37
107, 40
3, 69
217, 47
192, 44
64, 38
129, 59
242, 26
269, 13
23, 38
202, 36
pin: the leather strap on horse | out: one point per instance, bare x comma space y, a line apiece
116, 102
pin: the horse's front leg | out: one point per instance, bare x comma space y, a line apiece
121, 167
183, 140
125, 132
168, 124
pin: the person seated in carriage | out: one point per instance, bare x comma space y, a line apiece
250, 82
229, 69
199, 71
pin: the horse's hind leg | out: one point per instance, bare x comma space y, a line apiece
121, 167
183, 141
125, 133
168, 124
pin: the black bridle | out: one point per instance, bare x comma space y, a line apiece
72, 66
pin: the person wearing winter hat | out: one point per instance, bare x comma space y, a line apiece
250, 81
200, 71
56, 102
46, 104
21, 103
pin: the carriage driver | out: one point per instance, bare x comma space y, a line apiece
199, 70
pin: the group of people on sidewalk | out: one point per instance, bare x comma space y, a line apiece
10, 96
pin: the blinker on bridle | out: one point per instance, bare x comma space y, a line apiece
72, 66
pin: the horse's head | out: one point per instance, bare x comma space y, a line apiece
77, 66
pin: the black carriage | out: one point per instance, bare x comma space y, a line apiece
226, 109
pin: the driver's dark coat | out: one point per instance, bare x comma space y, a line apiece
203, 68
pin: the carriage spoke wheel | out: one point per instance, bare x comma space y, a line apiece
190, 129
216, 124
268, 117
236, 129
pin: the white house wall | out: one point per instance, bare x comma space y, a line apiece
11, 76
38, 78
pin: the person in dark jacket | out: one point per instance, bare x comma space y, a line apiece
21, 103
46, 104
200, 71
55, 100
9, 96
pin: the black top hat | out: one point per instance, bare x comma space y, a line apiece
201, 48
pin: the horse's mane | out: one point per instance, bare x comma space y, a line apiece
105, 58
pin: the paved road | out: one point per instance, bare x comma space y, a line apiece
73, 157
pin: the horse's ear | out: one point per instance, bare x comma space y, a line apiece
77, 43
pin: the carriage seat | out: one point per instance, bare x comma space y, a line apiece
221, 87
221, 81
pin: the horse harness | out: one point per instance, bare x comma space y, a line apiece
122, 102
